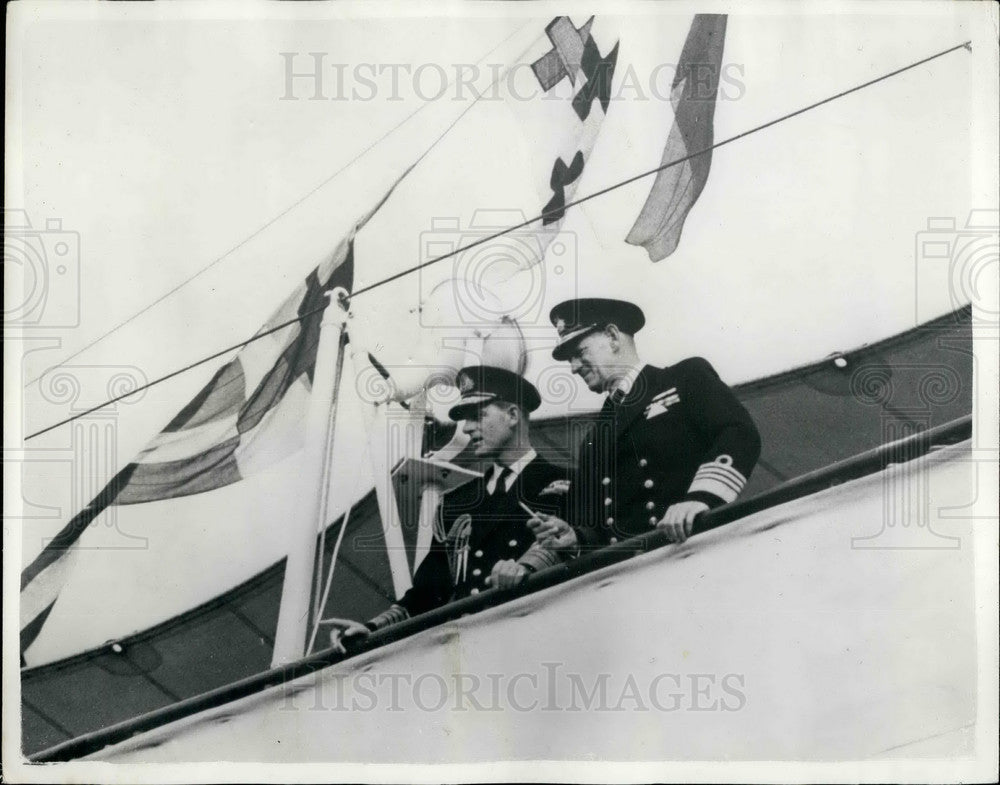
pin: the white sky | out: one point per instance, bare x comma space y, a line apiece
162, 142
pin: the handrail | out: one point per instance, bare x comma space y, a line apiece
857, 466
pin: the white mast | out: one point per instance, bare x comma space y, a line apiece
310, 516
377, 428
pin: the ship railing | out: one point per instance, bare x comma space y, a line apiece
863, 464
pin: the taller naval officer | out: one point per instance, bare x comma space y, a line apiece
669, 443
483, 539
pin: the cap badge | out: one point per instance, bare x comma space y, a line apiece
466, 384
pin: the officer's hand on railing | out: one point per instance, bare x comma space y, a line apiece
347, 634
552, 532
507, 573
679, 520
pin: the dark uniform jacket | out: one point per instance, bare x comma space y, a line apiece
679, 434
482, 529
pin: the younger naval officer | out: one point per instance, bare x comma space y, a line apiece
669, 443
483, 539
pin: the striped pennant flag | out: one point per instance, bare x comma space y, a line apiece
248, 417
693, 96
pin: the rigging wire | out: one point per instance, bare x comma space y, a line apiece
629, 181
318, 609
396, 276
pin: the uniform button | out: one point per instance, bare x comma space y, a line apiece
652, 521
606, 481
607, 501
614, 540
477, 571
643, 463
650, 505
512, 543
648, 484
610, 521
479, 554
474, 591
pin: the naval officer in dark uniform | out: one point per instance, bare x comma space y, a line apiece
482, 538
669, 443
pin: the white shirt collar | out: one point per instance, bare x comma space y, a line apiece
624, 383
515, 469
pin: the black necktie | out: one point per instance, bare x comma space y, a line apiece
617, 396
501, 484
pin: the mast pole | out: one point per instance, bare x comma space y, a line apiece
392, 529
311, 508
